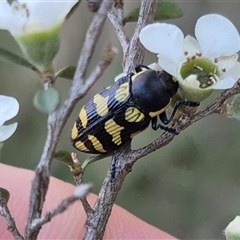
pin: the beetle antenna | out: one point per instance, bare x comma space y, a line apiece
140, 67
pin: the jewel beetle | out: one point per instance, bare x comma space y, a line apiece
117, 113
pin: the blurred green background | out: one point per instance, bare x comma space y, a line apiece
190, 188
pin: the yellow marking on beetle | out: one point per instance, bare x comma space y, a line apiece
96, 143
108, 87
122, 93
114, 130
117, 141
137, 74
101, 104
154, 114
83, 117
81, 146
132, 114
74, 133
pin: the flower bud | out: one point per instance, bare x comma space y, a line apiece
232, 231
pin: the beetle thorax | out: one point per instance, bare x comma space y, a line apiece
152, 91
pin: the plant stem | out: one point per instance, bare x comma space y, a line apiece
57, 120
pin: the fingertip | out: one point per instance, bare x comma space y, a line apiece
70, 224
124, 225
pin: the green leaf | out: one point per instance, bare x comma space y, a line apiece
47, 101
168, 10
132, 16
93, 159
9, 57
67, 72
165, 10
4, 193
65, 157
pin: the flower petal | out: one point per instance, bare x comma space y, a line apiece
192, 82
232, 231
217, 36
8, 20
190, 46
9, 108
224, 83
155, 66
233, 72
42, 11
167, 65
36, 13
6, 131
225, 63
164, 39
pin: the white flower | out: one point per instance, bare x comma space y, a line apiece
9, 107
22, 16
36, 27
232, 231
205, 63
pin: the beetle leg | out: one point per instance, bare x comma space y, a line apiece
130, 82
156, 126
113, 168
163, 116
154, 123
114, 160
